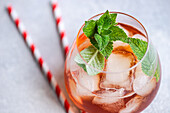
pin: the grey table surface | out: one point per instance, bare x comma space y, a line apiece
23, 89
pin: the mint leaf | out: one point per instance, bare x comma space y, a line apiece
93, 57
89, 28
94, 43
99, 40
113, 17
138, 46
105, 41
104, 46
117, 34
107, 50
83, 66
106, 32
105, 21
149, 62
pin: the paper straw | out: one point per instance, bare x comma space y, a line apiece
60, 25
40, 61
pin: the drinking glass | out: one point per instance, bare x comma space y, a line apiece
122, 86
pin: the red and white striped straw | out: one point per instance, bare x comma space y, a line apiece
28, 40
60, 25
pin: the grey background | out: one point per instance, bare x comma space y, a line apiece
23, 89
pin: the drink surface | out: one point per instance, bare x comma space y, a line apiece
124, 92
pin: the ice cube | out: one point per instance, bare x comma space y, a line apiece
118, 62
86, 83
143, 84
73, 90
113, 85
119, 43
132, 105
109, 100
121, 46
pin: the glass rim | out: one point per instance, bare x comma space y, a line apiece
134, 66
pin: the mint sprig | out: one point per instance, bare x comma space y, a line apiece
102, 33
